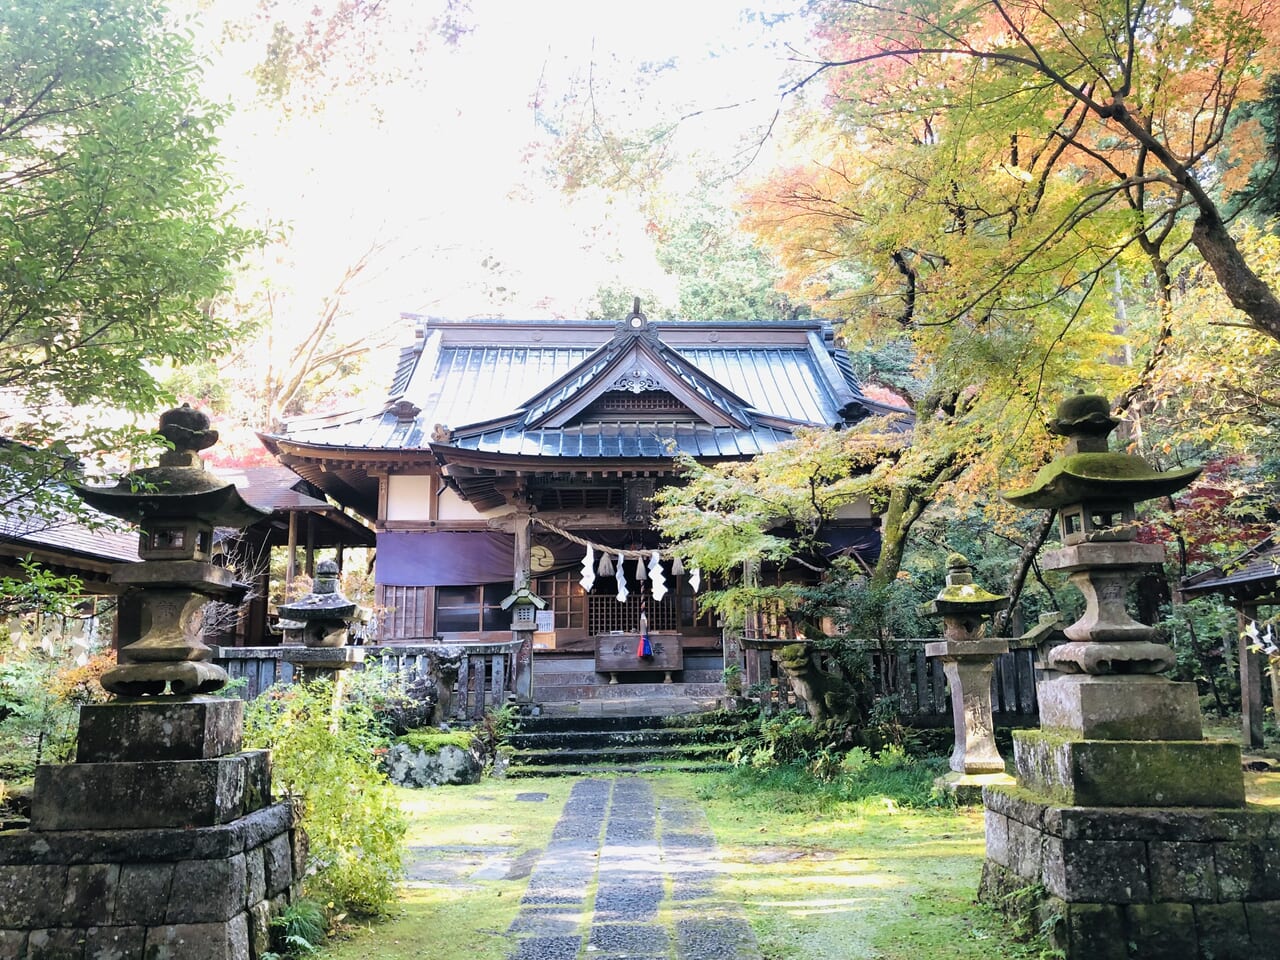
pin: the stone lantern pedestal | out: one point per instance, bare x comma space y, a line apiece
161, 840
968, 660
1127, 833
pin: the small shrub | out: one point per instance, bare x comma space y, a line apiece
299, 928
331, 760
40, 696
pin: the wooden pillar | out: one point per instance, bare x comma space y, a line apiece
311, 546
1250, 681
522, 578
291, 560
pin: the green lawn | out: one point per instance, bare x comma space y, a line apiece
816, 878
855, 880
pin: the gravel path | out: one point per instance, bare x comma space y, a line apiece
628, 876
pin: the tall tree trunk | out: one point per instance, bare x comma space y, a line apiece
1244, 288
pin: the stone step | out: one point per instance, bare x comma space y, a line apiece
608, 769
621, 741
591, 678
571, 723
611, 738
622, 690
544, 664
589, 756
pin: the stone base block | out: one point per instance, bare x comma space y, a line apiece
176, 793
1128, 707
1129, 773
199, 729
968, 787
205, 893
1137, 931
1120, 883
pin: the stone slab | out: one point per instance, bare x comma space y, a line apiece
199, 729
966, 648
967, 787
1120, 708
199, 941
164, 793
114, 943
62, 848
1137, 773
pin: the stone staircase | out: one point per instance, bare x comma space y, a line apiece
593, 745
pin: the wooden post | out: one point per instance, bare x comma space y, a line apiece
522, 578
1250, 681
311, 546
291, 561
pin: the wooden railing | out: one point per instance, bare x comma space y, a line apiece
903, 671
486, 673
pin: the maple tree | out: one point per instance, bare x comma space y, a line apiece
1026, 142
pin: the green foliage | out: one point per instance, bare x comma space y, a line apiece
38, 590
329, 758
817, 781
115, 234
299, 929
788, 738
1199, 632
114, 227
492, 731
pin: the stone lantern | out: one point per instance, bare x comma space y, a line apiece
322, 619
1108, 657
325, 614
968, 660
161, 839
1130, 829
176, 505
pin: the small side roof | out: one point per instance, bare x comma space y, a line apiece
1251, 577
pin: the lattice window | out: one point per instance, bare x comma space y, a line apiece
405, 613
564, 596
624, 405
606, 614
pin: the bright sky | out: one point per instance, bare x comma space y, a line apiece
444, 178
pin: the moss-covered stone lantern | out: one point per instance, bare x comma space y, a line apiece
968, 660
176, 506
1094, 491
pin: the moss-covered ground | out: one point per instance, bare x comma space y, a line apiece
817, 874
861, 879
445, 913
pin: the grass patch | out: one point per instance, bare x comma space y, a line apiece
442, 912
871, 864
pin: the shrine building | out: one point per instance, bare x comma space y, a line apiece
506, 450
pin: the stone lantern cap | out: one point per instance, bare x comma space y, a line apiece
961, 596
179, 487
324, 602
525, 597
1088, 471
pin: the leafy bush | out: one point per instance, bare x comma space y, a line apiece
40, 695
860, 777
299, 928
778, 740
330, 758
